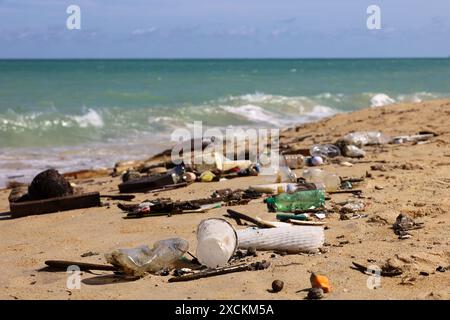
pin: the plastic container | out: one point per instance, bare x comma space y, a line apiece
217, 242
215, 161
297, 201
275, 188
318, 176
292, 239
353, 151
325, 150
142, 259
362, 138
294, 161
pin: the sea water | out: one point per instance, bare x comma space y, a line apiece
81, 114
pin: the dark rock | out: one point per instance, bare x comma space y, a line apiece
315, 293
49, 184
277, 285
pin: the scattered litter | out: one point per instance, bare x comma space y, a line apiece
403, 224
386, 270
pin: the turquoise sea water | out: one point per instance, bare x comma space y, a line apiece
74, 114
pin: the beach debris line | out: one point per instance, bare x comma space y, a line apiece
167, 206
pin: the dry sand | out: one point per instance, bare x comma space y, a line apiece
422, 192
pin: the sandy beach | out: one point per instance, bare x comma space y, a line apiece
415, 181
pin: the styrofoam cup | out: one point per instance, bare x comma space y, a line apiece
217, 242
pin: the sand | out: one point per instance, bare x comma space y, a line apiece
417, 183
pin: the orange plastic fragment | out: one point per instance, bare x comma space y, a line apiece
319, 281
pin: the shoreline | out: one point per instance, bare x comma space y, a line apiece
415, 182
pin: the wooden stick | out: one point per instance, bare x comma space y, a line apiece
63, 264
86, 200
211, 273
124, 197
238, 215
354, 191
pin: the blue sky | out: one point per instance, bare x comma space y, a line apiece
224, 28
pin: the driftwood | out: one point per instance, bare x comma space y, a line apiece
123, 197
25, 208
353, 191
63, 264
240, 216
223, 270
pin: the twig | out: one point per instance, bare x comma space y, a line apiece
354, 191
63, 264
237, 215
211, 273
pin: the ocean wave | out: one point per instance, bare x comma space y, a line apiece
91, 118
108, 123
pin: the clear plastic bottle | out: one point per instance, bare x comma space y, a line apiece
295, 161
318, 176
300, 200
362, 138
325, 150
142, 259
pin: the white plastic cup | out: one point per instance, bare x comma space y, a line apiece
217, 242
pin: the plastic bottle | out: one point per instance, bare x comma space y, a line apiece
325, 150
300, 200
318, 176
353, 151
294, 161
362, 138
142, 259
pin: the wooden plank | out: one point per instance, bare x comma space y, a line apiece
145, 184
25, 208
63, 264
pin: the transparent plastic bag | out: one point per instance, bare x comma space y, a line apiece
362, 138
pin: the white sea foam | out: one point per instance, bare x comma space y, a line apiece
381, 99
91, 118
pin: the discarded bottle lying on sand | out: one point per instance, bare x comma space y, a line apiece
353, 151
331, 181
294, 161
277, 188
141, 260
297, 201
215, 161
362, 138
325, 150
